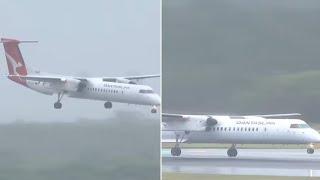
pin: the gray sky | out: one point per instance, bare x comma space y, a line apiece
93, 38
241, 57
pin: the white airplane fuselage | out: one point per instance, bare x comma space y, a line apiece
97, 89
109, 89
249, 130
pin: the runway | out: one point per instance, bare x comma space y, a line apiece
274, 162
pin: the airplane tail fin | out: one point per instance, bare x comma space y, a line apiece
15, 62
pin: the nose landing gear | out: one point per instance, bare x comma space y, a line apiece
232, 151
108, 105
154, 110
310, 149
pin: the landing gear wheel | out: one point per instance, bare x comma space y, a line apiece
175, 151
57, 105
232, 152
154, 110
310, 150
108, 105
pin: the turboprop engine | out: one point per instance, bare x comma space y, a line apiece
119, 80
125, 81
73, 85
210, 122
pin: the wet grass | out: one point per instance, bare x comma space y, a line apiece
117, 149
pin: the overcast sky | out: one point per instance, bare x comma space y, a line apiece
86, 38
241, 57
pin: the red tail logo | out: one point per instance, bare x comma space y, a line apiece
16, 65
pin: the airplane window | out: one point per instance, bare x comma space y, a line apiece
229, 128
248, 129
241, 128
234, 128
256, 129
299, 126
245, 129
213, 129
237, 128
145, 91
225, 129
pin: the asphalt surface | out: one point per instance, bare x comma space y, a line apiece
275, 162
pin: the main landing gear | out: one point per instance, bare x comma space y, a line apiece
154, 109
108, 105
176, 150
310, 149
232, 151
58, 104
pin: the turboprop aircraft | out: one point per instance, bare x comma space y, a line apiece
253, 129
108, 89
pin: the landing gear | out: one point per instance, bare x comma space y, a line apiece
310, 149
58, 104
108, 105
154, 109
232, 151
176, 150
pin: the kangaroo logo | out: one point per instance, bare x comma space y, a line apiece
15, 65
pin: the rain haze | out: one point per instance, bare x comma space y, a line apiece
241, 57
83, 140
96, 38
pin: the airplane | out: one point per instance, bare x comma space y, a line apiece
251, 129
108, 89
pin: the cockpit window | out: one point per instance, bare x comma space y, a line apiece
146, 91
299, 126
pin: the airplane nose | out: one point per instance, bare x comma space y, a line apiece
157, 99
318, 137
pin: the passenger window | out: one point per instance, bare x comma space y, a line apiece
229, 128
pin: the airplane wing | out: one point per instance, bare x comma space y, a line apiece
141, 77
173, 116
277, 115
50, 79
180, 122
38, 78
129, 79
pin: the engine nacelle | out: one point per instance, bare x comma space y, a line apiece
125, 81
210, 122
71, 85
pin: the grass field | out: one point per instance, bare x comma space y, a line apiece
124, 148
180, 176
